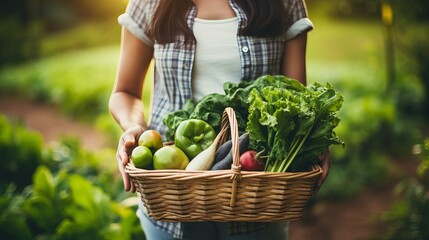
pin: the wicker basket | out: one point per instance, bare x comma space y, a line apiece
224, 195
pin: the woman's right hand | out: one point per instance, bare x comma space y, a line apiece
127, 143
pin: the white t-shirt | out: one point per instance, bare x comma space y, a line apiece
217, 58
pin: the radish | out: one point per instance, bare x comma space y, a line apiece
252, 161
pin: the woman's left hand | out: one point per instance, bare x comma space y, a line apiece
325, 162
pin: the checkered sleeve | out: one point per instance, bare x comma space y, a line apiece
137, 17
297, 21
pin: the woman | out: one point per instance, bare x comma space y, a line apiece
197, 46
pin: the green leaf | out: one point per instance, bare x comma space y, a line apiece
14, 228
91, 206
43, 183
41, 211
173, 120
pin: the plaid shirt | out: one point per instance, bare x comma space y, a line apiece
174, 63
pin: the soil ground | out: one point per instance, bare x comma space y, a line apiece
50, 122
352, 219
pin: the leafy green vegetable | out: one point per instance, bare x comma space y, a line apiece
291, 121
282, 116
211, 107
173, 120
208, 109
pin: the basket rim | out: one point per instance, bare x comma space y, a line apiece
186, 174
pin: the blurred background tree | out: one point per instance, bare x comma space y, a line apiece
409, 39
26, 22
413, 41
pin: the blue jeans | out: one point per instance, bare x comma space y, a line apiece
213, 231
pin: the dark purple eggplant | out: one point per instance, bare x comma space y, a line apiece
225, 163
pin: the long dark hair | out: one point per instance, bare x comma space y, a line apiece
265, 18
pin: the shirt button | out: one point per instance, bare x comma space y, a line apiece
186, 65
245, 49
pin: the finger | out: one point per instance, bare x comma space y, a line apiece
128, 143
124, 176
124, 157
127, 180
326, 165
128, 186
128, 140
324, 174
132, 187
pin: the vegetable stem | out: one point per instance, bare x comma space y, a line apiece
289, 159
198, 138
289, 162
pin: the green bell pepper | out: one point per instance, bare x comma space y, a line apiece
193, 136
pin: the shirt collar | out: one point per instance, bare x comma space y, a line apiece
242, 18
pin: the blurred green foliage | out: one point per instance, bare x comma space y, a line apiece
79, 81
408, 218
61, 191
85, 36
26, 24
410, 34
20, 152
380, 120
357, 9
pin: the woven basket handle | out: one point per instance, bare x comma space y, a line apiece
229, 120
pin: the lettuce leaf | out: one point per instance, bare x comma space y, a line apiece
290, 121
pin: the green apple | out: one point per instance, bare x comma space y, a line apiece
141, 157
170, 157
